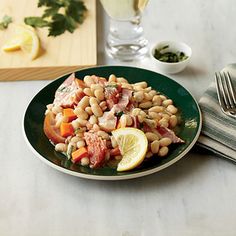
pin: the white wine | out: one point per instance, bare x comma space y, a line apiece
123, 9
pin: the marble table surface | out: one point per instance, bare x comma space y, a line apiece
195, 196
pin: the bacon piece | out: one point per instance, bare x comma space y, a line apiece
69, 92
112, 94
108, 121
165, 132
124, 100
99, 80
97, 149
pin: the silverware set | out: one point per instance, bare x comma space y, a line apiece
226, 93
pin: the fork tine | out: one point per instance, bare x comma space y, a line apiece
219, 93
226, 91
222, 86
231, 89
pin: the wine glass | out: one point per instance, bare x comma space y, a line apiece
125, 40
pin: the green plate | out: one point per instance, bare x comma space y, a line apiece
189, 130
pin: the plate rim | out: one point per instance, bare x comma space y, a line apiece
111, 177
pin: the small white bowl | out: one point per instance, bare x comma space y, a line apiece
171, 67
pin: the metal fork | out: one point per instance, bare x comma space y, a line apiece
226, 93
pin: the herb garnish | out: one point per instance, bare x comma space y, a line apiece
6, 20
170, 57
111, 86
56, 21
119, 114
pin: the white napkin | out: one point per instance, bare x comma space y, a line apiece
219, 130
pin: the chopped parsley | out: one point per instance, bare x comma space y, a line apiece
170, 57
6, 20
59, 16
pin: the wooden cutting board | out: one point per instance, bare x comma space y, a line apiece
60, 55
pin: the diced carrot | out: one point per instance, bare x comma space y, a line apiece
66, 129
69, 113
115, 152
79, 154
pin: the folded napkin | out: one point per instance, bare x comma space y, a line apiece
218, 130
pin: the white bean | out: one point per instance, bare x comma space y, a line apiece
173, 121
153, 93
61, 147
81, 121
163, 122
75, 124
80, 144
172, 109
157, 109
103, 105
155, 146
93, 101
84, 161
163, 97
141, 118
139, 96
123, 121
157, 100
126, 85
142, 84
96, 86
136, 111
84, 102
93, 120
88, 80
154, 115
146, 104
165, 142
151, 136
147, 96
112, 78
89, 110
151, 123
89, 126
96, 109
165, 116
167, 102
99, 94
121, 80
88, 92
163, 151
129, 120
96, 127
148, 89
81, 113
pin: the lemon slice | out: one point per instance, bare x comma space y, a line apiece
26, 39
13, 44
30, 43
133, 145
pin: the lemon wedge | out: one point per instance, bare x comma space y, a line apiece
25, 39
133, 145
13, 44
